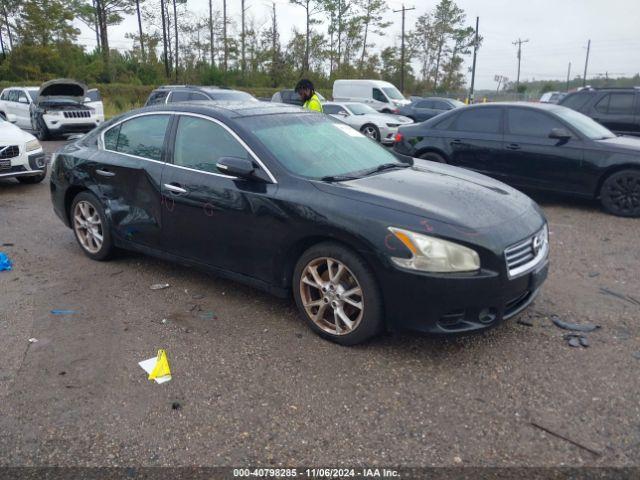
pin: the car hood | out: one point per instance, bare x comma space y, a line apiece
62, 87
12, 135
627, 143
439, 192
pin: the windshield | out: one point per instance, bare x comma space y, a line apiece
360, 109
233, 96
33, 93
393, 93
317, 146
585, 125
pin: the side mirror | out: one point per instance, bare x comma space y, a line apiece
237, 167
560, 134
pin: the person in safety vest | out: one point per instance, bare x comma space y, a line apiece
307, 93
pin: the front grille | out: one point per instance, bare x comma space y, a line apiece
523, 256
10, 151
77, 114
5, 164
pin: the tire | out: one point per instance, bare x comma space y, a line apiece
86, 211
620, 193
325, 299
371, 131
32, 179
433, 157
42, 132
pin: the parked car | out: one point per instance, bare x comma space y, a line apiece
295, 202
381, 96
537, 146
552, 97
59, 109
21, 155
290, 97
618, 109
380, 127
15, 103
94, 100
184, 93
426, 108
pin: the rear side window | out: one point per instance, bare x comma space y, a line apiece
201, 143
616, 104
440, 105
425, 104
531, 123
576, 100
157, 97
479, 120
141, 136
13, 95
5, 95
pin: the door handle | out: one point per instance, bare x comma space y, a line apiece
173, 188
456, 141
105, 173
513, 146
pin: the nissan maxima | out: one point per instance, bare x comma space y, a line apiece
295, 202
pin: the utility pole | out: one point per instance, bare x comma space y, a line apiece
243, 64
165, 38
519, 42
403, 10
140, 30
175, 28
473, 70
568, 76
586, 64
224, 35
211, 45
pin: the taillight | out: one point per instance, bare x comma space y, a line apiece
398, 138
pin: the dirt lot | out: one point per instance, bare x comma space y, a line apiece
255, 386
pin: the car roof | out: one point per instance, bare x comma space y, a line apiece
536, 106
224, 109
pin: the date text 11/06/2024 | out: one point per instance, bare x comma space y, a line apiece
316, 472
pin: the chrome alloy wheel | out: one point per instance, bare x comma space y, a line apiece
331, 296
88, 226
370, 132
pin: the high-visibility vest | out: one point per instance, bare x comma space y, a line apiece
313, 104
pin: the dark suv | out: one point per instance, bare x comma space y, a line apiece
618, 109
184, 93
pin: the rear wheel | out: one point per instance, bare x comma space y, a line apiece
620, 193
337, 294
91, 227
433, 157
371, 131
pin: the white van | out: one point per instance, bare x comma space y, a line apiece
383, 96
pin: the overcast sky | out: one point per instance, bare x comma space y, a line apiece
557, 30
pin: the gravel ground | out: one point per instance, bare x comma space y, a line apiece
255, 386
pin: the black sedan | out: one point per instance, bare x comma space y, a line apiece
536, 146
421, 109
292, 201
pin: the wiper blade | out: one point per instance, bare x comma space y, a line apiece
385, 166
338, 178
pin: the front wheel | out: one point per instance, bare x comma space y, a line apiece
42, 132
620, 193
91, 227
433, 157
337, 294
371, 131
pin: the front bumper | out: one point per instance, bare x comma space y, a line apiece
25, 165
59, 124
450, 304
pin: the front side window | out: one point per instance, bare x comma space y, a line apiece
576, 100
379, 96
200, 143
479, 120
317, 146
22, 97
531, 123
141, 136
332, 109
198, 96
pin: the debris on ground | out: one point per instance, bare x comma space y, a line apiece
63, 312
5, 263
159, 286
157, 367
566, 439
576, 340
176, 406
164, 321
207, 316
33, 340
197, 296
621, 296
593, 274
6, 244
525, 322
578, 327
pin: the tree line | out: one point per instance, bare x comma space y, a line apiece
334, 39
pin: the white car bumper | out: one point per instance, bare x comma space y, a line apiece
24, 164
59, 123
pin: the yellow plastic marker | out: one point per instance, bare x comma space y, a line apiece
162, 366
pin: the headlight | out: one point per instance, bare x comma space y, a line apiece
33, 145
430, 254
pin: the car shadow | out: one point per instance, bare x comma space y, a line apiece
554, 199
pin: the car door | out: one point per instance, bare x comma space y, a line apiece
532, 159
616, 111
23, 119
209, 217
12, 101
128, 170
475, 138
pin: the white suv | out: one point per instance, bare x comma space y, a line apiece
21, 155
60, 108
15, 103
